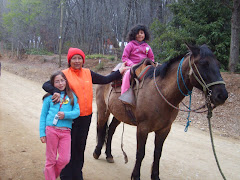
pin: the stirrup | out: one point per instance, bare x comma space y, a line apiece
128, 98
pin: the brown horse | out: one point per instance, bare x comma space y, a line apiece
199, 68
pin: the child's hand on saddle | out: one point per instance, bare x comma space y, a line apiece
43, 139
123, 68
56, 98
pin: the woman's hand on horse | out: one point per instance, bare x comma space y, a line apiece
56, 98
43, 139
60, 115
123, 68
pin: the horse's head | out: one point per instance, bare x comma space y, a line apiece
205, 74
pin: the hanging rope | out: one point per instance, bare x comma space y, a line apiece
188, 118
189, 93
124, 153
209, 115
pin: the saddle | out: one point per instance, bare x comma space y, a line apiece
138, 73
139, 70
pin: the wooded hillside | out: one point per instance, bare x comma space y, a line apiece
98, 26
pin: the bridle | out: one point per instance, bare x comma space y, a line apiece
207, 93
200, 80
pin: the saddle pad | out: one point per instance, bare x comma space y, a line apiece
143, 72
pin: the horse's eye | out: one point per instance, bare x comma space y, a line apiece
204, 63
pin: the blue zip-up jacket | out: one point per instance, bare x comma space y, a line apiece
49, 110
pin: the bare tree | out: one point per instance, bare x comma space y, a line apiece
89, 25
125, 26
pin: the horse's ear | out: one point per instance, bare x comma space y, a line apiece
194, 49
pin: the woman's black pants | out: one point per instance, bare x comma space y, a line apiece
79, 133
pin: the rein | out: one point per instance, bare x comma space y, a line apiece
196, 110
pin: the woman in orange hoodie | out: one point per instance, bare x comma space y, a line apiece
80, 81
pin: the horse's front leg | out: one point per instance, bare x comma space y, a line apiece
111, 130
159, 140
142, 134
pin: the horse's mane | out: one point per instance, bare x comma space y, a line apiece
162, 69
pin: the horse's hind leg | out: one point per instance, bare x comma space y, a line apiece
112, 127
159, 140
101, 132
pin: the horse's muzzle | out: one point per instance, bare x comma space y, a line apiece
219, 95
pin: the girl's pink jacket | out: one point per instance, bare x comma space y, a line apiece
134, 52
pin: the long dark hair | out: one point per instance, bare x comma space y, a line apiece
67, 90
134, 31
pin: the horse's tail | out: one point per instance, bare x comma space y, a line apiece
96, 129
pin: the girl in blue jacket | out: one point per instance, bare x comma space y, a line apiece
55, 126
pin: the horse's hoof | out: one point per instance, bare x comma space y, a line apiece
156, 177
95, 155
110, 159
138, 178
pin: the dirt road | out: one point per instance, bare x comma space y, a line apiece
22, 155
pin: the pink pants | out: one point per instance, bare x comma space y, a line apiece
125, 82
57, 141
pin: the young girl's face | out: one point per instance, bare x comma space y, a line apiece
60, 83
140, 36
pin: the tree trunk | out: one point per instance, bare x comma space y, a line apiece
126, 23
60, 36
111, 35
137, 14
12, 47
235, 31
18, 54
83, 8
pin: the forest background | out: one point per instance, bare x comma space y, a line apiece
101, 26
